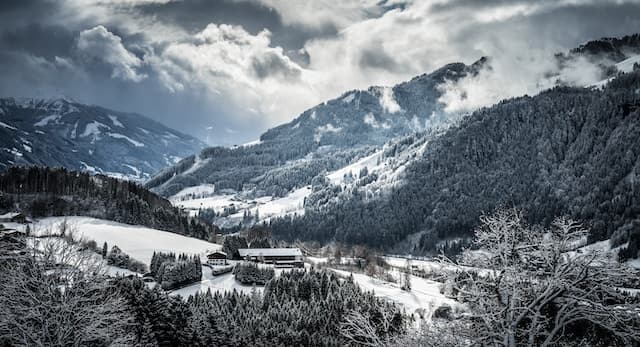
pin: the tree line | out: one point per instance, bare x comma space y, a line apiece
44, 191
567, 151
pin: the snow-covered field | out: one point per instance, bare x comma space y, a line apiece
266, 207
221, 283
137, 241
424, 294
216, 202
289, 204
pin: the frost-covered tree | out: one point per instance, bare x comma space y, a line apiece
534, 287
57, 295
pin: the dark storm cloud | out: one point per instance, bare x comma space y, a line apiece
44, 41
273, 65
376, 57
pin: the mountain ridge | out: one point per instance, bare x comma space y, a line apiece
64, 133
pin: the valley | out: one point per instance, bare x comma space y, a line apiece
445, 187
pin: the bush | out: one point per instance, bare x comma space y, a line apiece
122, 260
252, 274
171, 272
118, 258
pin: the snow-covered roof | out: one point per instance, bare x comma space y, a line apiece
269, 252
9, 215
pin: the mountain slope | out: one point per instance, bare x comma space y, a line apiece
325, 137
44, 192
573, 151
64, 133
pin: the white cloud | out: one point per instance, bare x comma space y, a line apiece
227, 60
374, 46
99, 44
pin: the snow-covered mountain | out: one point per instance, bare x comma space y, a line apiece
61, 132
324, 138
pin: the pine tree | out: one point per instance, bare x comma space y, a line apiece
104, 249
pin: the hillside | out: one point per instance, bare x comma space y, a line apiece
64, 133
325, 137
573, 151
44, 192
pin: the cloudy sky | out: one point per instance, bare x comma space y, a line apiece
226, 70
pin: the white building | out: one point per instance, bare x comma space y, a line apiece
217, 258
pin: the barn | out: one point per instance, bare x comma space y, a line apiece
282, 257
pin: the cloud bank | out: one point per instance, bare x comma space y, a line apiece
227, 70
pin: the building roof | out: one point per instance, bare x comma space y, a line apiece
217, 253
10, 215
269, 252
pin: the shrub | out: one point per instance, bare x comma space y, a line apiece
248, 273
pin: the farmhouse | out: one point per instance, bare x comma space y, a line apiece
277, 256
217, 258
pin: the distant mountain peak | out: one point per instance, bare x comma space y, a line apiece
63, 132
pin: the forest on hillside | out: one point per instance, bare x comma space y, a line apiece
567, 151
44, 192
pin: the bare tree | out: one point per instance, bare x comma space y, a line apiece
533, 285
359, 328
57, 295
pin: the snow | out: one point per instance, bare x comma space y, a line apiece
170, 135
370, 120
430, 266
89, 168
627, 64
74, 132
196, 165
266, 207
251, 143
634, 263
40, 132
337, 177
14, 151
93, 128
292, 202
328, 128
388, 102
215, 202
115, 121
138, 241
145, 131
136, 171
46, 120
220, 283
424, 294
200, 190
5, 125
26, 147
120, 136
9, 215
349, 98
287, 205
